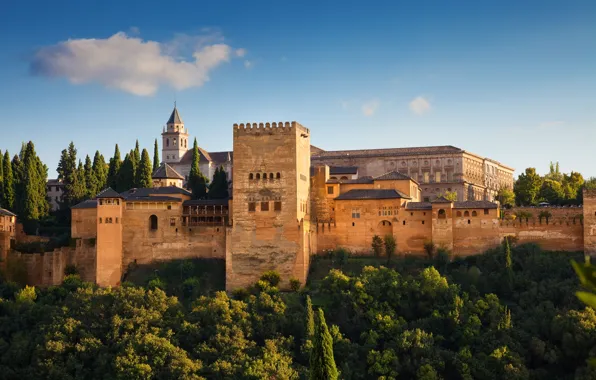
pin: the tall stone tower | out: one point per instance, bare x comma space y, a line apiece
174, 139
109, 238
589, 212
271, 207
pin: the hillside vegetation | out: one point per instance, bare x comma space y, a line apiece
505, 314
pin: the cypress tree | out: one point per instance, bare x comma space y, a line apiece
91, 181
196, 180
322, 363
114, 169
34, 203
74, 187
310, 319
218, 189
132, 156
155, 156
508, 264
8, 200
82, 181
17, 174
1, 180
223, 183
126, 175
145, 170
100, 172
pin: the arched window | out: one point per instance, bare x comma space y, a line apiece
466, 213
153, 222
264, 175
459, 213
271, 176
278, 175
344, 178
258, 176
167, 142
474, 213
250, 176
442, 214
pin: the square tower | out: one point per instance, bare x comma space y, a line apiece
109, 238
271, 216
174, 139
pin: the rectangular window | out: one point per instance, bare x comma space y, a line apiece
485, 211
116, 220
356, 213
426, 176
252, 206
437, 176
99, 220
277, 206
264, 206
426, 199
329, 189
172, 222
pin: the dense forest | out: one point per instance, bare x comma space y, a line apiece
510, 313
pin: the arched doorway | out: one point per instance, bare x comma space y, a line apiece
384, 227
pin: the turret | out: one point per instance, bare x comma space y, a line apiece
174, 138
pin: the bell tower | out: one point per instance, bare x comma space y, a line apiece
174, 139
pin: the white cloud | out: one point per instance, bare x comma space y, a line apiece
420, 105
370, 108
134, 65
247, 64
240, 52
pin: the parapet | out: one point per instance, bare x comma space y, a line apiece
270, 128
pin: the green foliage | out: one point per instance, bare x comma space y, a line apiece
70, 269
322, 362
377, 245
449, 195
196, 180
271, 277
295, 284
74, 183
114, 171
506, 197
31, 174
155, 156
144, 171
91, 181
390, 245
552, 192
527, 187
157, 283
429, 248
100, 171
218, 189
126, 174
27, 295
544, 215
8, 179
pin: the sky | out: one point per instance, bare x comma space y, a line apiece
514, 81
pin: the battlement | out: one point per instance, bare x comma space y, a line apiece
270, 128
589, 193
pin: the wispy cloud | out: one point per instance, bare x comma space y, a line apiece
371, 107
134, 65
419, 105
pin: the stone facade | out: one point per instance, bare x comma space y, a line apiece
590, 222
54, 191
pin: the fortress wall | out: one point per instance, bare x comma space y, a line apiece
552, 236
83, 223
168, 242
480, 234
412, 235
590, 222
559, 214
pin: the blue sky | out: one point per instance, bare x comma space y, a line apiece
513, 81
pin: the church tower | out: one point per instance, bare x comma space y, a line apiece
174, 139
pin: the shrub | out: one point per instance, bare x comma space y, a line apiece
390, 245
71, 269
240, 294
295, 284
26, 295
271, 277
191, 286
342, 255
157, 282
187, 268
429, 248
377, 245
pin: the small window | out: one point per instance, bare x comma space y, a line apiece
355, 213
468, 221
264, 175
250, 176
101, 202
169, 207
278, 175
116, 220
172, 222
466, 213
442, 214
329, 189
277, 206
474, 213
153, 222
99, 220
258, 175
252, 206
426, 199
353, 224
423, 222
264, 206
270, 175
411, 214
485, 211
168, 144
404, 222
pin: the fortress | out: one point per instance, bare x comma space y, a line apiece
290, 201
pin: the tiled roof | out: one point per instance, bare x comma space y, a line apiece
221, 157
5, 212
419, 206
55, 182
394, 175
474, 204
89, 203
315, 150
372, 194
203, 156
335, 170
152, 198
175, 117
166, 171
108, 193
206, 202
386, 152
146, 191
366, 179
441, 199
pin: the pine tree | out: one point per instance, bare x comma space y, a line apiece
322, 362
155, 156
9, 197
196, 180
126, 175
114, 170
91, 181
1, 180
145, 170
100, 171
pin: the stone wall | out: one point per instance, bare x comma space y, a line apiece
552, 236
559, 214
590, 222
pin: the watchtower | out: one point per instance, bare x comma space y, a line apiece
109, 238
271, 208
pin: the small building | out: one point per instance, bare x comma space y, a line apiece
165, 175
55, 191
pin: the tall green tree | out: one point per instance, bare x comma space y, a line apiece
218, 188
551, 191
196, 180
527, 187
132, 156
572, 186
74, 186
17, 174
100, 172
322, 362
1, 180
114, 169
155, 156
91, 181
126, 175
8, 179
506, 197
83, 180
34, 203
145, 171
